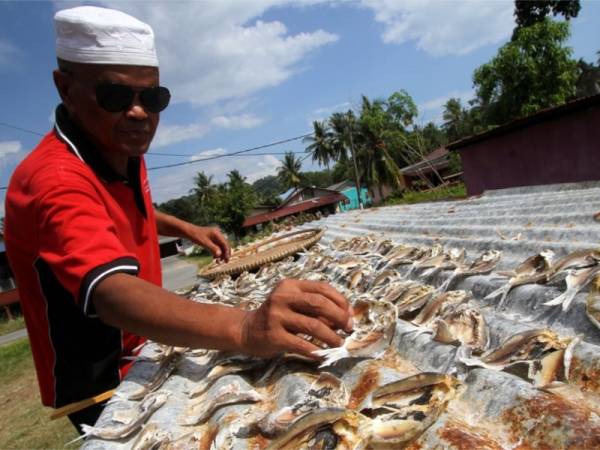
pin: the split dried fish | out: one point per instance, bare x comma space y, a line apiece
435, 305
167, 366
528, 346
136, 418
534, 269
151, 438
202, 409
484, 264
463, 325
374, 327
592, 307
226, 366
581, 269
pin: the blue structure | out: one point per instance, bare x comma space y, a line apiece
349, 190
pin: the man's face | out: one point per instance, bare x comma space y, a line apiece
126, 133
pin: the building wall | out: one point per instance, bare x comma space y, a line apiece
351, 194
561, 150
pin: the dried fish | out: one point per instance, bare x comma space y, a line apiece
534, 269
150, 438
200, 410
592, 307
167, 366
463, 325
137, 417
435, 305
226, 366
577, 279
374, 327
485, 263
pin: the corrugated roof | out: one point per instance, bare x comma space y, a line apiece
295, 208
492, 409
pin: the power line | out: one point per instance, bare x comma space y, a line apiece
24, 130
247, 150
253, 154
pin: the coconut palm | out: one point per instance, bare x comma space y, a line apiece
203, 187
289, 171
319, 144
453, 119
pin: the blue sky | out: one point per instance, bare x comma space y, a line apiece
249, 72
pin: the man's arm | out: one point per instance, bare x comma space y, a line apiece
312, 308
210, 238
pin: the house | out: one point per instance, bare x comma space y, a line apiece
431, 171
348, 188
303, 200
555, 145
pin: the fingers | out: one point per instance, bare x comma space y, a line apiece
298, 323
319, 306
326, 290
212, 248
221, 242
295, 344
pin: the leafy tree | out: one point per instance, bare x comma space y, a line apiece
589, 78
182, 207
454, 118
433, 136
268, 188
532, 72
319, 144
320, 179
529, 12
289, 171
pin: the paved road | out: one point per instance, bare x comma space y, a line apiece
177, 273
11, 337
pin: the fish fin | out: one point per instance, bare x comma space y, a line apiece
569, 297
87, 431
332, 355
446, 284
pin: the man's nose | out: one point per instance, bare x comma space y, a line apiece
136, 110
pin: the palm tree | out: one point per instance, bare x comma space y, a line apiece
319, 144
289, 171
235, 178
453, 119
203, 187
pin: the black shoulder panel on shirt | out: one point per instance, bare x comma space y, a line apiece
86, 350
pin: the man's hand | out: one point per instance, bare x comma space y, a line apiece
296, 307
211, 239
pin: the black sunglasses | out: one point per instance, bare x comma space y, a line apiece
118, 97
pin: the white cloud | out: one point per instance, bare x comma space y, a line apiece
444, 27
173, 134
9, 147
208, 153
173, 183
432, 110
214, 51
237, 121
324, 112
167, 135
439, 102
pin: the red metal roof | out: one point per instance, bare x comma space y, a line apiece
293, 209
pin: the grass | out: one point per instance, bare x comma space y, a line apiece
8, 326
25, 423
200, 260
437, 194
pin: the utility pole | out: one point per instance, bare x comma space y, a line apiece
357, 177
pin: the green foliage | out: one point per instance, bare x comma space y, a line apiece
533, 71
8, 326
182, 207
589, 78
267, 189
437, 194
289, 171
322, 179
529, 12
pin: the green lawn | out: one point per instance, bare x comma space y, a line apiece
8, 326
24, 422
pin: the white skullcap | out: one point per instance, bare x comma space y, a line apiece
92, 35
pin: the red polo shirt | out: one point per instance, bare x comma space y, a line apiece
70, 222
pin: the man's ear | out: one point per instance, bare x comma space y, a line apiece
63, 81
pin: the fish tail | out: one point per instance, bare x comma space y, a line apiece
332, 355
446, 284
569, 297
87, 431
504, 295
556, 301
495, 293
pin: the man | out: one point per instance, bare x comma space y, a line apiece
81, 232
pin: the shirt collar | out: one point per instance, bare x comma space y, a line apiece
70, 133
